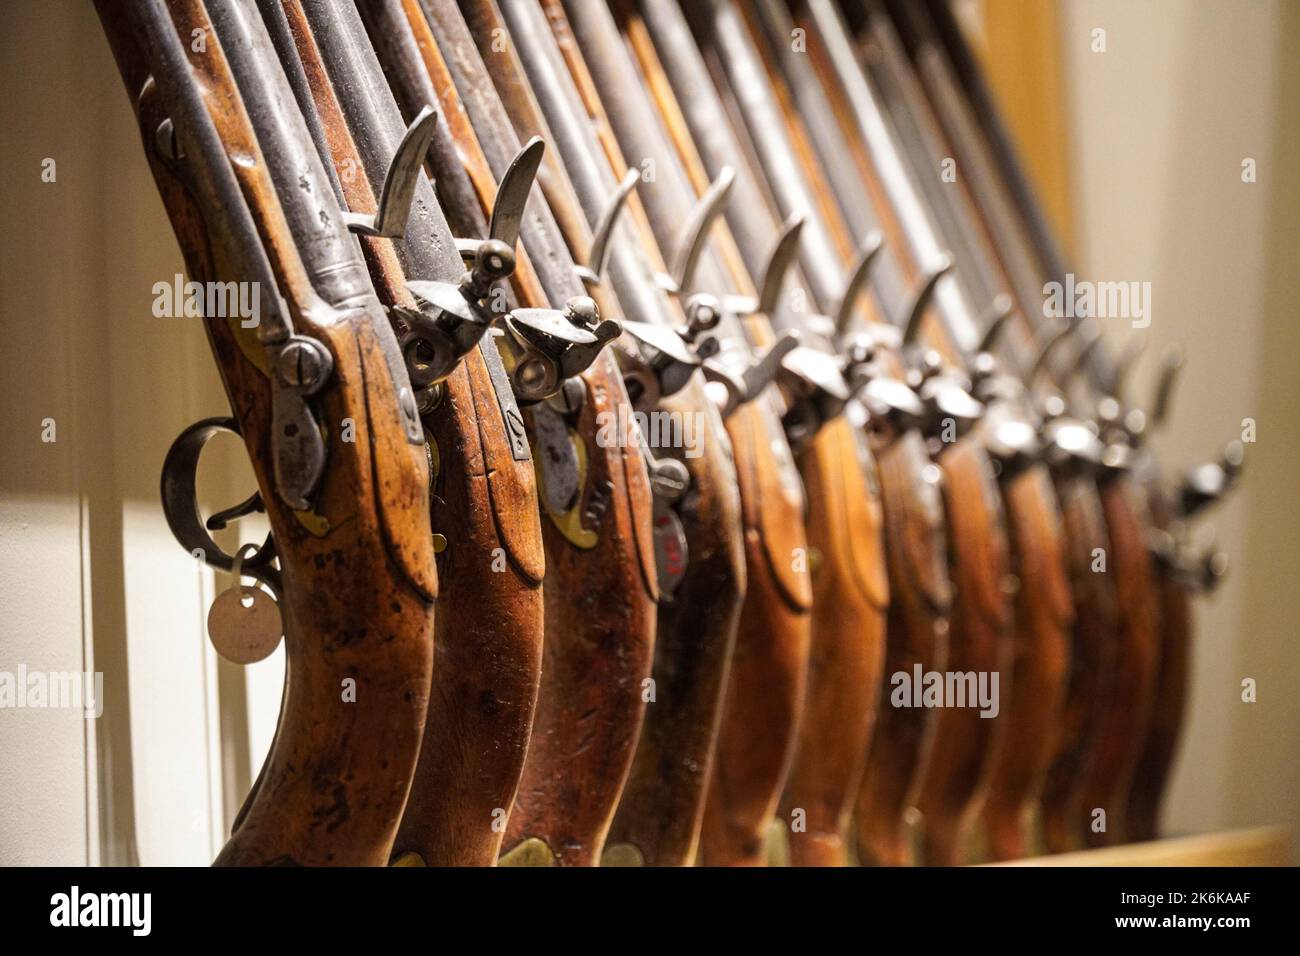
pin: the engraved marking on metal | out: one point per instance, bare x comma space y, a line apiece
671, 554
505, 395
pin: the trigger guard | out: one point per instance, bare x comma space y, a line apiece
181, 506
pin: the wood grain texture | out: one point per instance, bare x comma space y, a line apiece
966, 744
487, 651
1031, 706
661, 810
600, 626
1092, 664
850, 601
765, 691
599, 603
1155, 761
771, 524
678, 796
916, 634
845, 542
321, 799
1129, 706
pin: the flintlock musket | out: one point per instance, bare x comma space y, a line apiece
1042, 611
597, 669
918, 583
975, 534
771, 643
486, 512
956, 777
698, 582
1022, 239
844, 524
322, 357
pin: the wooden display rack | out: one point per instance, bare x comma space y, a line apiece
1258, 846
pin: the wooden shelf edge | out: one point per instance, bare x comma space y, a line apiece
1257, 846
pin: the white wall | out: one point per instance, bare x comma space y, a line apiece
1160, 124
90, 577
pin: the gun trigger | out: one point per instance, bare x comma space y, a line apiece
250, 505
389, 220
181, 507
598, 255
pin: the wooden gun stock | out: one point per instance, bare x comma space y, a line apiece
601, 585
843, 547
916, 637
1092, 663
661, 810
1128, 713
320, 799
771, 638
488, 638
1043, 618
845, 522
850, 602
1155, 760
954, 775
966, 739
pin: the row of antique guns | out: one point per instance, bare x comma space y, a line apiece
644, 396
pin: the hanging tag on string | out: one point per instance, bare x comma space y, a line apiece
244, 622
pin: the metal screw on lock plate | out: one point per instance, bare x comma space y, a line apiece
303, 363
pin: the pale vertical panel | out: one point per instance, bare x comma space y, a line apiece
43, 794
42, 789
215, 822
1264, 774
167, 646
88, 570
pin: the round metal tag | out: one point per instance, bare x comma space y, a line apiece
244, 633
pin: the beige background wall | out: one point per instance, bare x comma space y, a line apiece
90, 578
1158, 126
